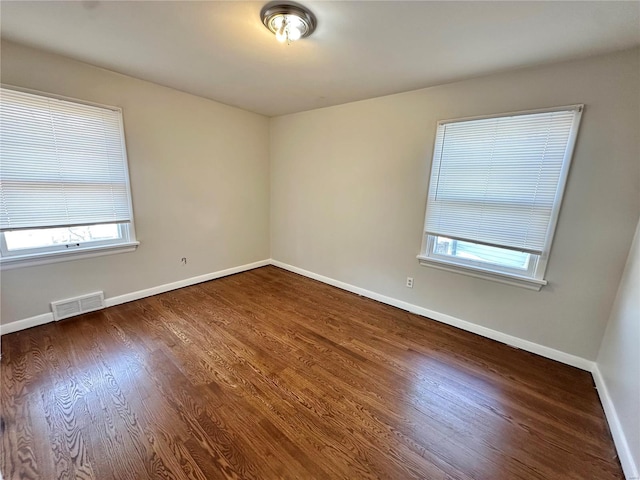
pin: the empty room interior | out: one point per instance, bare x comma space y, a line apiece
320, 240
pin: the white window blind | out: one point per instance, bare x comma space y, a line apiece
496, 181
61, 163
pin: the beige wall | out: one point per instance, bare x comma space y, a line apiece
348, 189
349, 185
199, 179
619, 358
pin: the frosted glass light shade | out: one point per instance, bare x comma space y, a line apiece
288, 22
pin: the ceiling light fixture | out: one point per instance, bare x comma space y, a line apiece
289, 22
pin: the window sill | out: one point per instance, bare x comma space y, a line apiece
500, 277
31, 260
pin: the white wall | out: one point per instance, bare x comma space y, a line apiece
199, 179
349, 186
619, 357
348, 189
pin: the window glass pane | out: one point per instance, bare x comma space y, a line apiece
48, 237
481, 253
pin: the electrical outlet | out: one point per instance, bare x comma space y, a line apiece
409, 282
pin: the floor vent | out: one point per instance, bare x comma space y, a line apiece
77, 305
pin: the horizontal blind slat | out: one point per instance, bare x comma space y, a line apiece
62, 163
495, 180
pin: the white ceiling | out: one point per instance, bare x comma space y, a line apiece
221, 50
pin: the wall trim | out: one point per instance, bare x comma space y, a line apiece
629, 467
148, 292
517, 342
624, 453
25, 323
129, 297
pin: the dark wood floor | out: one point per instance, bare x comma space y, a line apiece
267, 375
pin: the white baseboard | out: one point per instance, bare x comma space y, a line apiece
624, 453
129, 297
26, 323
631, 470
548, 352
517, 342
622, 447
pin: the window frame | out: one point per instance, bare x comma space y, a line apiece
57, 253
530, 271
123, 237
534, 278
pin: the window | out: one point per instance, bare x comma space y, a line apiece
495, 191
64, 185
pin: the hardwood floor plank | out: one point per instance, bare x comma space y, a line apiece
270, 375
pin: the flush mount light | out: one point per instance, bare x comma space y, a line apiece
289, 22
